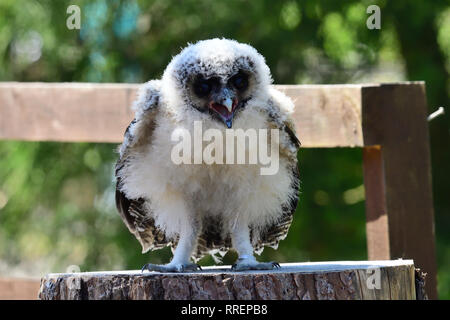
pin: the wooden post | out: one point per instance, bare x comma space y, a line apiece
356, 280
397, 174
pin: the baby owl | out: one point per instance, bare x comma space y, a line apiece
201, 208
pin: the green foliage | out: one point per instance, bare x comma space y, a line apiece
57, 200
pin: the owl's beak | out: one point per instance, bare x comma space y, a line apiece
224, 104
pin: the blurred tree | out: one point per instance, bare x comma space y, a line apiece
56, 199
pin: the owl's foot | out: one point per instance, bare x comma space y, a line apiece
252, 264
175, 267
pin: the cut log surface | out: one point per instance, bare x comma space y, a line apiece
344, 280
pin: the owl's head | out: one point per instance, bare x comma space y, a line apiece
218, 77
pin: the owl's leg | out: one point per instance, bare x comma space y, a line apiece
247, 261
181, 257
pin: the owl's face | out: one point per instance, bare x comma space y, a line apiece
221, 96
219, 77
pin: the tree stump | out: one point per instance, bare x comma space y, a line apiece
355, 280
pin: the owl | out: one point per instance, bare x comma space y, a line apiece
198, 207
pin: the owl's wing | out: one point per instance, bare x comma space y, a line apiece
280, 108
146, 107
138, 134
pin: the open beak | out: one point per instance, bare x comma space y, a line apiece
224, 104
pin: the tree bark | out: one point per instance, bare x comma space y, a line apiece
359, 280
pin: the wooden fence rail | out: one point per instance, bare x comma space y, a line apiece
387, 120
19, 288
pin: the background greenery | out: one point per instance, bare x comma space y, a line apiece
56, 199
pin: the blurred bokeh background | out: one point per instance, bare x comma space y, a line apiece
57, 199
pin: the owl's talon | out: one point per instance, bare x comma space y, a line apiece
251, 265
155, 267
145, 267
177, 267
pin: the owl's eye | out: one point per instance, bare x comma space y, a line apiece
202, 87
240, 81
